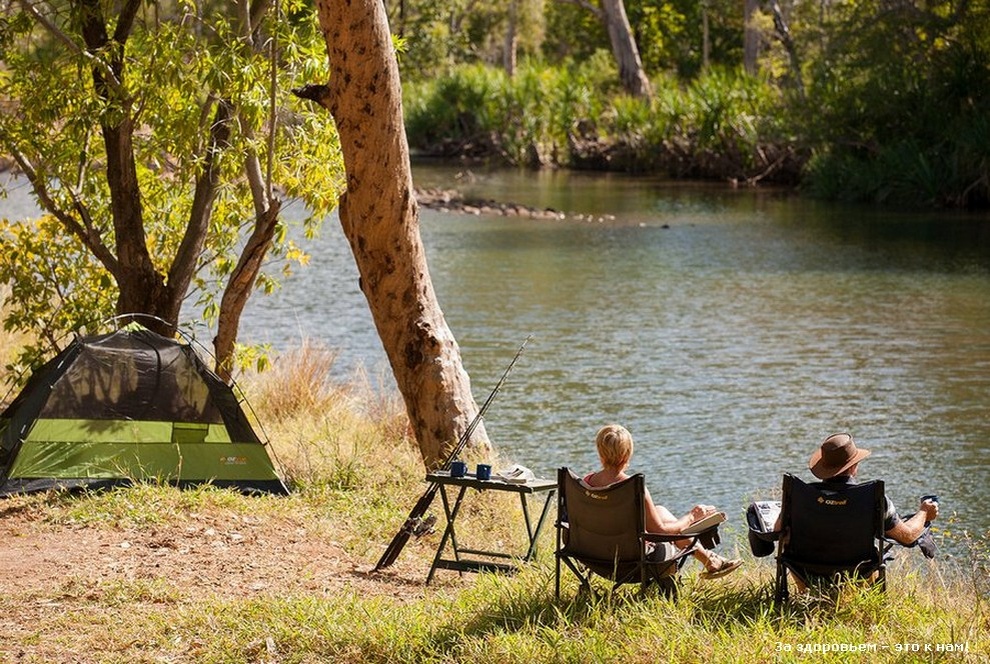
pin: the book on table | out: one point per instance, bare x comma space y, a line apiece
704, 523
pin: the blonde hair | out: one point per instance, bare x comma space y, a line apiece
615, 446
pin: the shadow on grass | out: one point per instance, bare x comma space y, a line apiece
519, 605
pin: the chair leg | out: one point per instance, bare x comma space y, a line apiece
781, 593
583, 578
556, 585
668, 587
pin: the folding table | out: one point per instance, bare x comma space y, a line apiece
531, 489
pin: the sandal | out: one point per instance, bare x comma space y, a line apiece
719, 566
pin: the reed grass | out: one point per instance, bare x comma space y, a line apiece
722, 125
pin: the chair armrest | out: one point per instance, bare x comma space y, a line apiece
657, 537
708, 537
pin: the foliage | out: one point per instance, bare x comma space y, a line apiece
177, 64
565, 22
440, 36
55, 290
670, 34
889, 102
900, 97
718, 126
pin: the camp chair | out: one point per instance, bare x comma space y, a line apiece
602, 532
830, 533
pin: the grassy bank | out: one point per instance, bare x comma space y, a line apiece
356, 475
722, 126
850, 138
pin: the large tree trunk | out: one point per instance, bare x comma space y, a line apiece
624, 49
380, 218
142, 287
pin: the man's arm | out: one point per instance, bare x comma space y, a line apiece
907, 532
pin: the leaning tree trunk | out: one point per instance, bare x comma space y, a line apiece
784, 34
624, 49
380, 218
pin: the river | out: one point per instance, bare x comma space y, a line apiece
730, 330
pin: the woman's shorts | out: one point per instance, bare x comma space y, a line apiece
661, 551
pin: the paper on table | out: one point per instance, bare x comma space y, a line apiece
517, 474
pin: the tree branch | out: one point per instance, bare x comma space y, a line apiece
239, 286
314, 92
585, 4
84, 230
183, 267
125, 21
66, 40
257, 12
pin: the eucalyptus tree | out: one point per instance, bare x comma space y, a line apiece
380, 218
438, 35
160, 139
896, 99
612, 15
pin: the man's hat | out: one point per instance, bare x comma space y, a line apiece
837, 454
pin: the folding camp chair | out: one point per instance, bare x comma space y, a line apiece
602, 532
827, 533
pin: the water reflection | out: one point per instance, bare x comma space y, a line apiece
729, 330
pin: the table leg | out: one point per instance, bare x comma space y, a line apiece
448, 532
534, 534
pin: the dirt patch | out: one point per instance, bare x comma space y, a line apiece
225, 556
66, 589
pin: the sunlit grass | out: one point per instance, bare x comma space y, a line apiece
501, 619
356, 473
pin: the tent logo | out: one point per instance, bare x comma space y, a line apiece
233, 460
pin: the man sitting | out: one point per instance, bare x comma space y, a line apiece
836, 463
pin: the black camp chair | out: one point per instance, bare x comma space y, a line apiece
830, 533
602, 532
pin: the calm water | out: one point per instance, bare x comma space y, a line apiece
729, 330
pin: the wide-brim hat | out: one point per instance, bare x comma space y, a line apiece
837, 454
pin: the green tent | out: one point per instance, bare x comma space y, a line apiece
127, 406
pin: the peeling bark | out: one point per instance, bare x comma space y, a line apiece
380, 218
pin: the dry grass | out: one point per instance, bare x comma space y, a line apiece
10, 344
152, 574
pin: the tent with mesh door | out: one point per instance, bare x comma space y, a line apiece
129, 406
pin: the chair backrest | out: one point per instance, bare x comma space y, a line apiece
602, 523
838, 526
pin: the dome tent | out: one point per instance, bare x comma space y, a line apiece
127, 406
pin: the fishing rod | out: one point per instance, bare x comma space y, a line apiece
415, 524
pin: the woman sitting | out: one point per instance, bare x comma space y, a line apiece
615, 448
